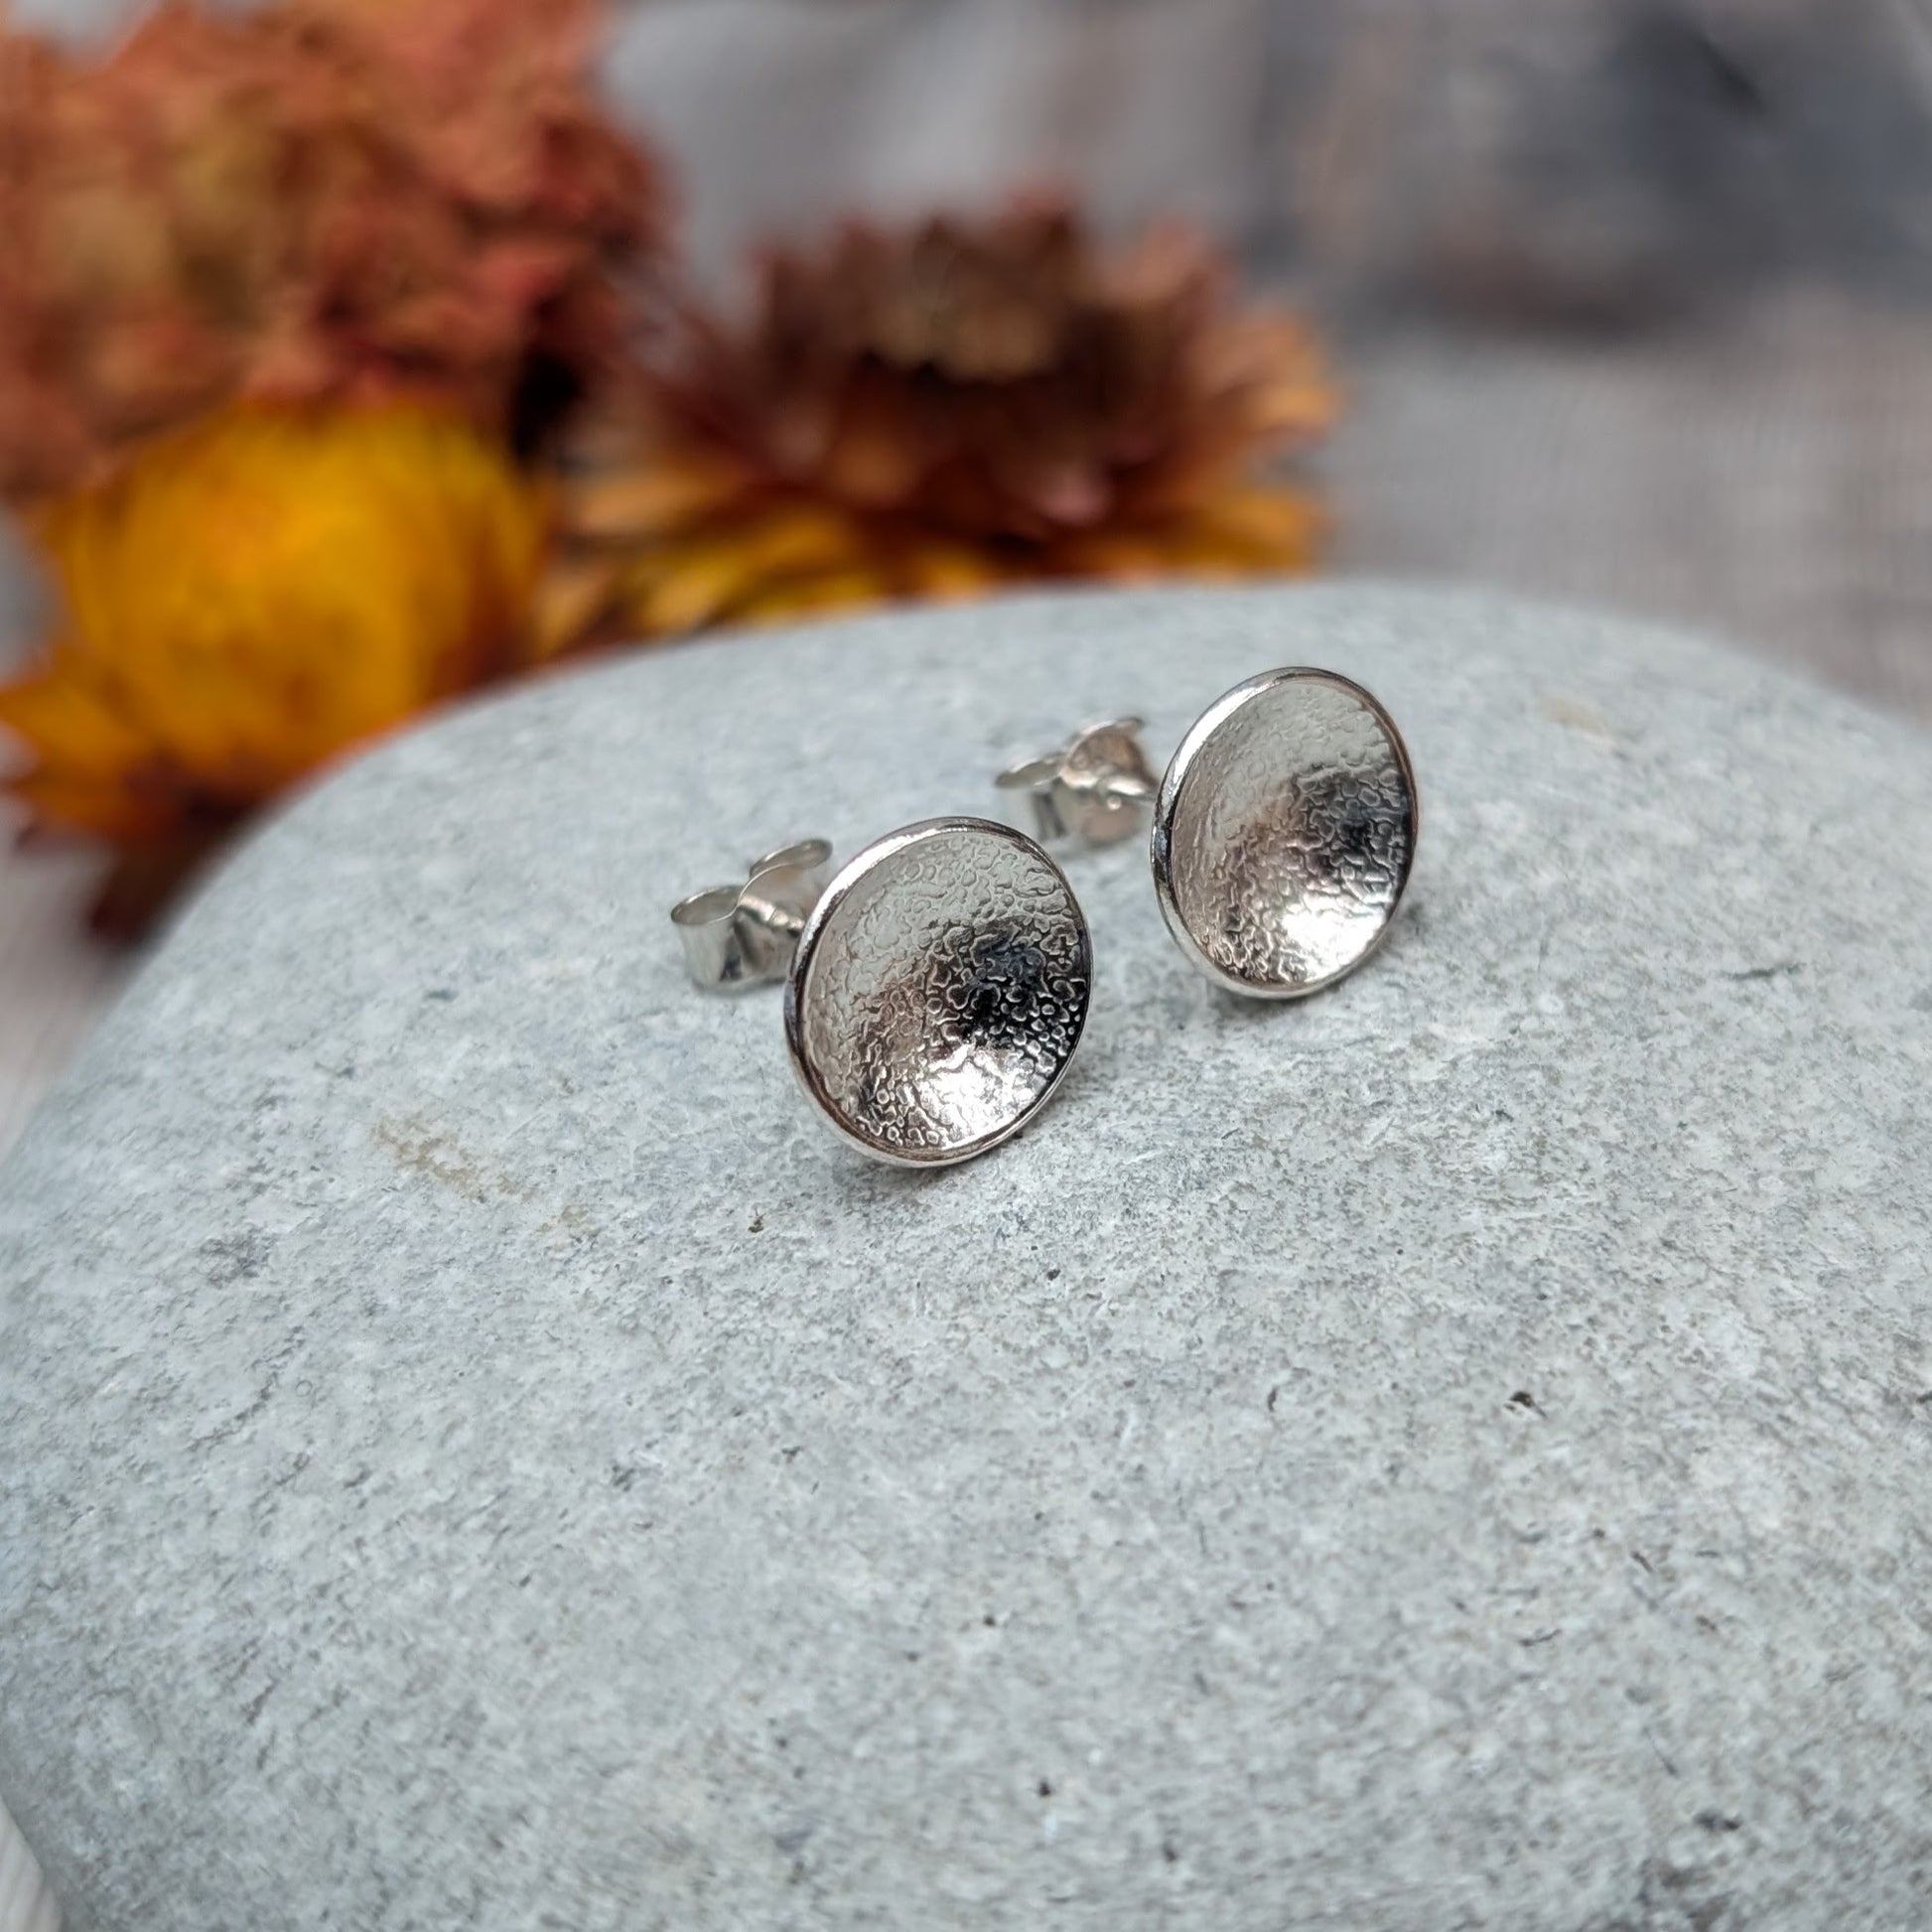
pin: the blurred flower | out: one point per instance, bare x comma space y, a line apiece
937, 410
346, 198
246, 598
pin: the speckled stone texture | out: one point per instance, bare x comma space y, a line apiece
1454, 1454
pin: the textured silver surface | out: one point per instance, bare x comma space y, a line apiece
940, 990
1285, 832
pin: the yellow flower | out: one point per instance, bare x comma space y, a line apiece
249, 596
776, 557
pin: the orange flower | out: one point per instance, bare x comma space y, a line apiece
937, 410
248, 597
319, 198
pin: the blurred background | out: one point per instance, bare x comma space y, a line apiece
1630, 300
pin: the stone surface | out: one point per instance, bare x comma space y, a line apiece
1452, 1454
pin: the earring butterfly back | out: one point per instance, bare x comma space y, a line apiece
739, 936
1095, 792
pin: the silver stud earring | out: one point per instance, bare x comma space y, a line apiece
1283, 832
935, 988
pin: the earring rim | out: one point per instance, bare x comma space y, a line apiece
867, 860
1173, 783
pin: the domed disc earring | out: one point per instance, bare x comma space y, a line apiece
1283, 833
939, 990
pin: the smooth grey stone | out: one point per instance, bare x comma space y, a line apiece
1457, 1452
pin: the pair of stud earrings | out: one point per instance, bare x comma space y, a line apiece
937, 986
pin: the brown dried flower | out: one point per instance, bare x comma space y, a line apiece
322, 198
940, 409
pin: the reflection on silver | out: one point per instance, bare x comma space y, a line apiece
939, 991
737, 936
1283, 833
1096, 792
